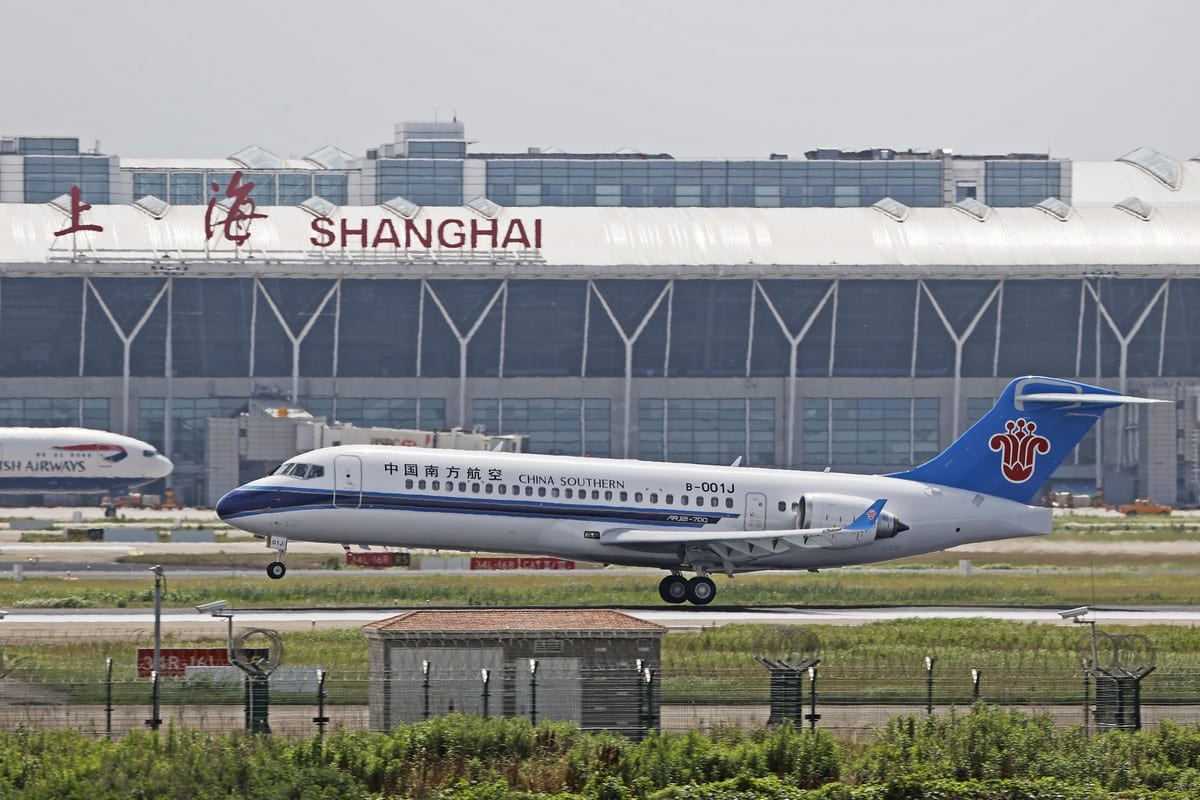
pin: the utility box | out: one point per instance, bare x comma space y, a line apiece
595, 668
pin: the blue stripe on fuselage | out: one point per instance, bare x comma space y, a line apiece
251, 502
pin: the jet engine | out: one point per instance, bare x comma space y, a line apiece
823, 510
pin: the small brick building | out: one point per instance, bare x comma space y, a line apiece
598, 668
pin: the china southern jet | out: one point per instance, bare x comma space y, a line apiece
680, 517
76, 460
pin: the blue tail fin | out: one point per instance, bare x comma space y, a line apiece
1017, 445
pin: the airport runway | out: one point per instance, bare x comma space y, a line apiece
19, 623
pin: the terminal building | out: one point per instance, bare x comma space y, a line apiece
822, 308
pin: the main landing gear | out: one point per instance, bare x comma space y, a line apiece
700, 590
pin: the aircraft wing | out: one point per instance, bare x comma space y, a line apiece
742, 546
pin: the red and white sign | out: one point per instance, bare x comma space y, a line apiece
176, 660
371, 559
513, 562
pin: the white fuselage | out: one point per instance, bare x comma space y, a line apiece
76, 460
561, 506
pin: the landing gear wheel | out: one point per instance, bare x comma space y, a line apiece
276, 570
673, 589
701, 590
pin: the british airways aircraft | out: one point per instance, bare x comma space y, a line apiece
76, 460
680, 517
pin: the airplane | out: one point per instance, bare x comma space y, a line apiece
694, 518
76, 460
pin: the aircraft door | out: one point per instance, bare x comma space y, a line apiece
347, 481
756, 511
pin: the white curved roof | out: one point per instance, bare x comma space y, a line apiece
1108, 182
726, 240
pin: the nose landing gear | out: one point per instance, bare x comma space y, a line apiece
277, 569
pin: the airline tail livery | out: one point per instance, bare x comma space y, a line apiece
683, 518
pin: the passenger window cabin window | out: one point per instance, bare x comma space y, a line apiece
502, 488
782, 505
654, 497
436, 486
595, 494
608, 495
683, 499
554, 492
670, 499
488, 488
624, 496
699, 501
475, 488
462, 486
421, 484
541, 491
408, 484
529, 491
729, 502
713, 502
637, 497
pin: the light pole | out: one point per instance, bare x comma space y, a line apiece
1079, 617
156, 673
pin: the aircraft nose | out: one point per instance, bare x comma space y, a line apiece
231, 504
163, 466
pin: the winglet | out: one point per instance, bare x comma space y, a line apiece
866, 520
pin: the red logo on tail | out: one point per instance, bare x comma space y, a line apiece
1019, 446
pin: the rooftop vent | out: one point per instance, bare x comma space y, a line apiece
1162, 168
402, 207
318, 206
893, 208
154, 206
62, 203
1137, 207
255, 157
330, 157
481, 205
1055, 208
973, 208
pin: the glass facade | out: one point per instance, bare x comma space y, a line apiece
847, 433
697, 328
557, 426
717, 184
283, 188
1022, 183
50, 412
708, 430
48, 177
189, 423
426, 182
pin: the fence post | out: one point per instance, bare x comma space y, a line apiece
533, 665
486, 674
976, 675
425, 688
929, 684
108, 706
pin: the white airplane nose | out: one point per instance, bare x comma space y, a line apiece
163, 466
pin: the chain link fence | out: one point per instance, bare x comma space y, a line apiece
300, 700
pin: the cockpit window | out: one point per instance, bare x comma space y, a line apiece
149, 453
298, 469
